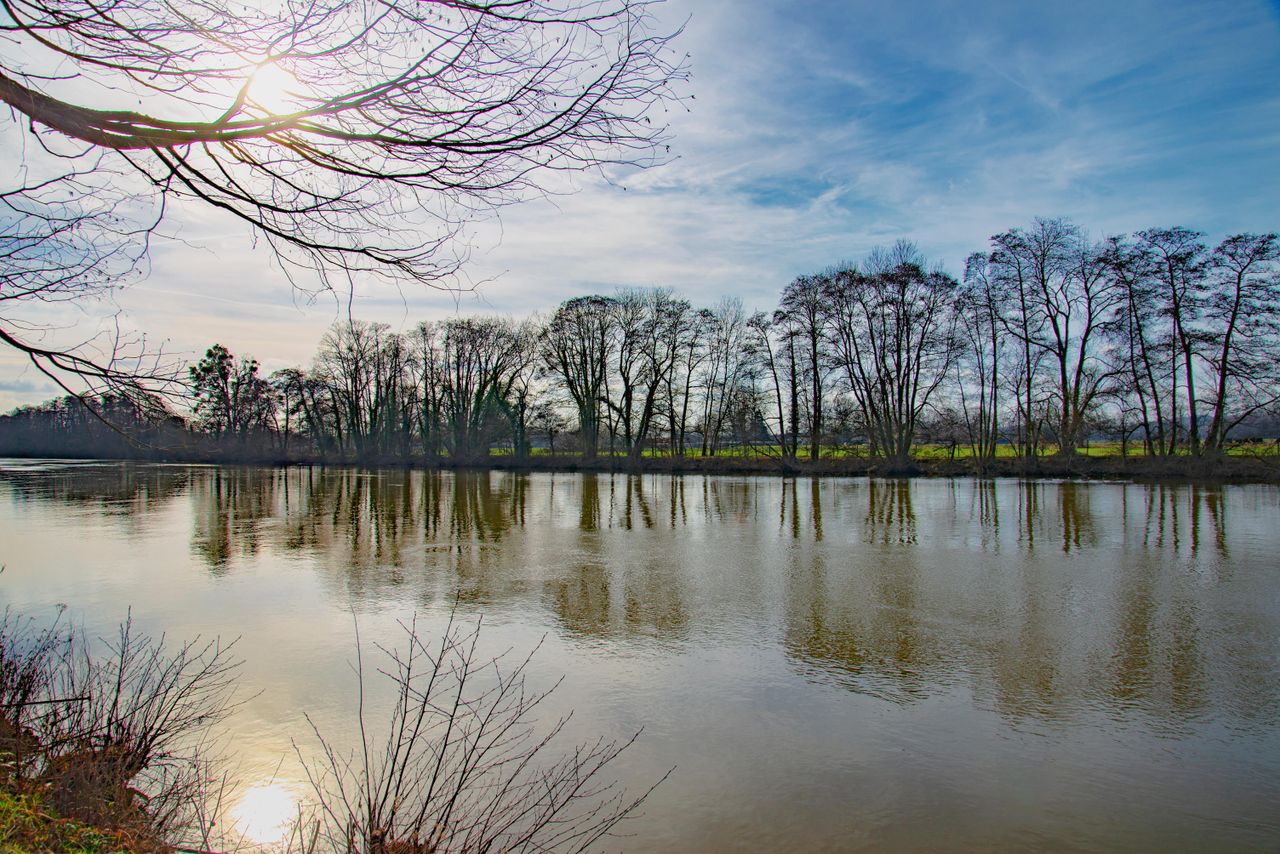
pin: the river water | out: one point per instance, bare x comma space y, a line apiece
827, 664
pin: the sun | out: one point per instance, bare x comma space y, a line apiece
266, 813
274, 89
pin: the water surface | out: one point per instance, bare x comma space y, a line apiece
835, 664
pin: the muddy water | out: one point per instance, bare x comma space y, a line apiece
838, 664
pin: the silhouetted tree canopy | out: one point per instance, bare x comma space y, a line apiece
355, 137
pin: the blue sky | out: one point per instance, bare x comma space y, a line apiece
814, 132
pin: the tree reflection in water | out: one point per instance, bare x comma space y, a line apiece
1043, 600
126, 492
854, 614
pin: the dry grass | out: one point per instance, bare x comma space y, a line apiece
28, 824
104, 742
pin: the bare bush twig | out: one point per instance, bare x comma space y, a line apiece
463, 766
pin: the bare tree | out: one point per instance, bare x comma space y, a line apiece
648, 328
355, 137
1059, 303
789, 354
893, 328
231, 398
1177, 259
66, 240
362, 368
1015, 265
981, 361
804, 303
686, 341
663, 348
630, 327
527, 386
1242, 314
546, 417
724, 368
425, 388
576, 348
1132, 270
286, 385
481, 358
769, 362
1079, 306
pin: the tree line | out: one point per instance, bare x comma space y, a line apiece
1048, 339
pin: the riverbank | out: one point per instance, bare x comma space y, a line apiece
1188, 469
104, 747
1233, 468
27, 824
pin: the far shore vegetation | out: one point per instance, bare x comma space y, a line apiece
1150, 354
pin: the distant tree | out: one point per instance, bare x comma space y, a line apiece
527, 386
946, 427
577, 346
1080, 306
632, 325
981, 359
724, 368
649, 326
789, 355
1016, 263
893, 326
286, 384
108, 427
804, 305
230, 397
480, 360
547, 418
1137, 332
687, 342
425, 388
663, 347
765, 355
1176, 259
361, 369
1060, 302
1242, 330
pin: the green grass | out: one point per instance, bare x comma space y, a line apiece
922, 451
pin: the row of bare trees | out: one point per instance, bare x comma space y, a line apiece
635, 369
1048, 340
1172, 341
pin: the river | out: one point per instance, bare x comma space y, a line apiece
827, 664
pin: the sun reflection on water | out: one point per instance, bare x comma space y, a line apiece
265, 813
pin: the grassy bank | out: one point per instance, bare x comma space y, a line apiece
1234, 467
1245, 463
27, 824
